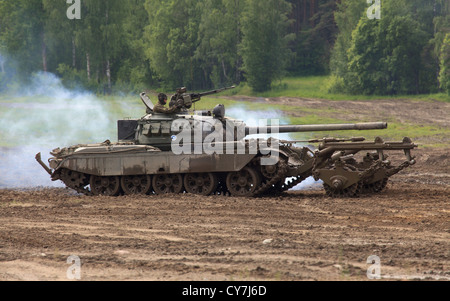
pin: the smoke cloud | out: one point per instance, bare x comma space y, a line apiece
252, 118
44, 115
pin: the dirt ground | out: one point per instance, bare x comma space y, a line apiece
301, 235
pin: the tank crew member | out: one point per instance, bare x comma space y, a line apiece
162, 100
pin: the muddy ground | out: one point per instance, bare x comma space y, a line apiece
301, 235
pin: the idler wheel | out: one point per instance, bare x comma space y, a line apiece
200, 183
133, 185
108, 186
167, 183
74, 179
243, 182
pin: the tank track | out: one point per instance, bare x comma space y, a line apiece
81, 182
270, 184
264, 182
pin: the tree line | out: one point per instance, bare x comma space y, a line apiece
137, 44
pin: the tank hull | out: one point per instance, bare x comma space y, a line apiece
153, 163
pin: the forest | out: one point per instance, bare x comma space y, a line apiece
132, 45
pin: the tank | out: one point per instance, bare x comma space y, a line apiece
206, 153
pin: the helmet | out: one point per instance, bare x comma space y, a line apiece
162, 98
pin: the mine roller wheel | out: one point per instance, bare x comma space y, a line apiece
375, 187
200, 183
349, 192
167, 183
133, 185
243, 182
107, 186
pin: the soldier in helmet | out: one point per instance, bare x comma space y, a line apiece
162, 100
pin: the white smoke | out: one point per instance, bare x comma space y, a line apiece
255, 117
2, 63
42, 116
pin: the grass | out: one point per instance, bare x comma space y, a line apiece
317, 87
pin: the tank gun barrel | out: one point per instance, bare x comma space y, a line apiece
250, 130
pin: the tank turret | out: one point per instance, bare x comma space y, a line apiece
160, 129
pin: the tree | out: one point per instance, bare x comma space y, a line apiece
264, 43
444, 75
3, 79
110, 14
128, 45
134, 66
381, 54
22, 33
347, 17
387, 56
60, 33
315, 39
441, 23
172, 38
218, 38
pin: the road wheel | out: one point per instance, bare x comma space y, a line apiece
200, 183
136, 184
167, 183
108, 186
243, 182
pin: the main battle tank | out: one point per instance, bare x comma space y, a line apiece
208, 153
